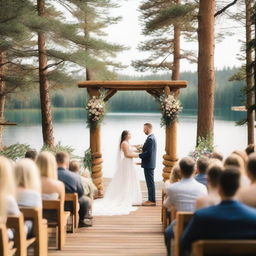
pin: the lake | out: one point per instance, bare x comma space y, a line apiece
70, 129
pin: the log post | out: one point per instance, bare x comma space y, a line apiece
96, 153
170, 158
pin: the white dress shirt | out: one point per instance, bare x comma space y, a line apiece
183, 194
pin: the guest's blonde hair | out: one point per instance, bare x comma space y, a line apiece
47, 165
27, 175
74, 166
175, 175
236, 160
7, 185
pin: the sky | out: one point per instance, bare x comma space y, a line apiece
129, 33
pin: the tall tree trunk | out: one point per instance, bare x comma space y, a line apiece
47, 127
249, 72
88, 74
176, 52
206, 74
2, 99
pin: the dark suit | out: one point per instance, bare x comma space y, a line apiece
148, 157
73, 184
227, 220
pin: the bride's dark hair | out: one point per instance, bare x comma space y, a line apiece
123, 136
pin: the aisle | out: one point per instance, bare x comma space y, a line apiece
139, 233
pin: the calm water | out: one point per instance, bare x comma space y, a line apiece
70, 129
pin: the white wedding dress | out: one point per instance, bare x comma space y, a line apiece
123, 192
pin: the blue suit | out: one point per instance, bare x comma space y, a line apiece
148, 157
227, 220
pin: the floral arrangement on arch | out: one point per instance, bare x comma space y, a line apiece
170, 108
96, 110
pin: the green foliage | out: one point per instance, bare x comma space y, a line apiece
87, 160
15, 151
204, 147
59, 148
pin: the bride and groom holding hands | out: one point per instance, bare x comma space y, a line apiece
124, 192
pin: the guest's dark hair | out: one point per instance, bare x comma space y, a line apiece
123, 136
31, 154
202, 164
250, 149
230, 181
61, 157
214, 172
251, 165
187, 166
217, 155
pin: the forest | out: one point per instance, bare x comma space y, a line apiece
228, 94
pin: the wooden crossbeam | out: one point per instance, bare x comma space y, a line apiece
7, 123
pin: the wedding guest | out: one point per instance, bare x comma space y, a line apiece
31, 154
217, 155
247, 194
242, 154
236, 160
213, 173
89, 187
73, 184
182, 195
201, 166
52, 188
175, 176
228, 220
250, 149
28, 183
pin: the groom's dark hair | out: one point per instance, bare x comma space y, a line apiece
149, 125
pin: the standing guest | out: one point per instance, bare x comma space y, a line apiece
236, 160
201, 166
250, 149
213, 173
28, 183
89, 187
217, 155
247, 194
182, 195
52, 188
228, 220
31, 154
73, 184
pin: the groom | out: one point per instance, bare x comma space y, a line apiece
148, 157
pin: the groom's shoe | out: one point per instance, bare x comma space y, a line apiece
148, 203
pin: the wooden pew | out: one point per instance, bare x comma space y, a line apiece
53, 211
73, 199
39, 229
224, 247
6, 247
182, 219
21, 243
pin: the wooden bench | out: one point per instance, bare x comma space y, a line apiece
182, 219
73, 199
39, 229
53, 211
21, 243
6, 247
224, 247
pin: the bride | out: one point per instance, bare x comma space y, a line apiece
124, 189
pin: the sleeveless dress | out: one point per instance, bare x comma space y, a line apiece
123, 191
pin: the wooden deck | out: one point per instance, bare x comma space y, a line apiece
139, 233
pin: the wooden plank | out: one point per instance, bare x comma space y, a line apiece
139, 234
8, 123
133, 85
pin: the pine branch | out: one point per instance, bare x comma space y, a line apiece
52, 65
225, 8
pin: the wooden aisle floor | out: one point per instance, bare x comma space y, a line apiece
139, 234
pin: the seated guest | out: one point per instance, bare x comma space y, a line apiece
182, 195
175, 176
250, 149
28, 184
217, 155
213, 173
52, 188
228, 220
73, 184
201, 166
236, 160
31, 154
242, 154
247, 194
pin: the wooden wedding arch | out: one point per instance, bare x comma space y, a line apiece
154, 88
